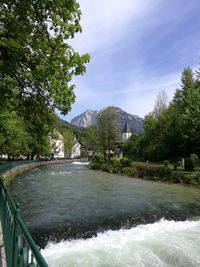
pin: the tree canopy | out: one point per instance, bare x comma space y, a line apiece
171, 131
37, 65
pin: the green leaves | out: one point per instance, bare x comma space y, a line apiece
34, 49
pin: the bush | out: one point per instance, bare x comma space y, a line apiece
166, 163
94, 165
178, 177
129, 171
193, 178
195, 161
157, 172
107, 167
188, 165
99, 158
125, 162
116, 165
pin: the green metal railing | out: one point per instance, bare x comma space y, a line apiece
20, 249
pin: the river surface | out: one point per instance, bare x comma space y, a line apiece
81, 217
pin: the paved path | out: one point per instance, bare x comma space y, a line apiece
2, 253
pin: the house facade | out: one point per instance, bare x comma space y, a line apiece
57, 145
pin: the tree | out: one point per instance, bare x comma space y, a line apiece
90, 138
69, 142
108, 131
187, 81
160, 104
37, 64
35, 59
13, 136
191, 122
132, 147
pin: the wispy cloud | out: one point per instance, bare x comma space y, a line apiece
138, 48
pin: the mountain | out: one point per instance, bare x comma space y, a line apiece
89, 117
85, 119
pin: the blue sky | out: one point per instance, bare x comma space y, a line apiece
138, 48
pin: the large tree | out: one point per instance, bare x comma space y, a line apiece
35, 59
37, 63
108, 131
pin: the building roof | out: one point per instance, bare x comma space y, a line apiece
126, 128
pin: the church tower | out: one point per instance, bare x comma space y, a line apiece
126, 132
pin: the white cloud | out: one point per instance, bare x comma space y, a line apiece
105, 22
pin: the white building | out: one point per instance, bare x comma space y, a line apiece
76, 150
57, 145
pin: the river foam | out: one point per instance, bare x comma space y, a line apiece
161, 244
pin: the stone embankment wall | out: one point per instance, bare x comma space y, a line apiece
8, 176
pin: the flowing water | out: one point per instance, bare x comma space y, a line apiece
88, 218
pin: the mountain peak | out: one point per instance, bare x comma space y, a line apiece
89, 117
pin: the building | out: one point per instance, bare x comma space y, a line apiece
57, 145
126, 132
76, 150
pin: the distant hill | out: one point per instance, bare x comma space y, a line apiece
89, 117
77, 130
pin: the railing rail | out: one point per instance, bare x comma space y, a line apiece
20, 249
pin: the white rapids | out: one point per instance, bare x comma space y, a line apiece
161, 244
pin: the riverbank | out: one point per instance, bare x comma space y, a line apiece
9, 175
146, 171
69, 201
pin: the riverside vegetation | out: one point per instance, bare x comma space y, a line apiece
156, 172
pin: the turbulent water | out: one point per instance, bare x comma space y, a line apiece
162, 244
87, 218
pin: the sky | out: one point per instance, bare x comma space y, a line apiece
138, 48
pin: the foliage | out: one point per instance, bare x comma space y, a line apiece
188, 165
195, 161
107, 131
13, 136
147, 171
116, 163
193, 179
129, 171
155, 171
107, 167
69, 142
36, 69
35, 57
90, 138
98, 158
125, 162
171, 131
166, 163
95, 165
132, 148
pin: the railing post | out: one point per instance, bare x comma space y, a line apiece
16, 238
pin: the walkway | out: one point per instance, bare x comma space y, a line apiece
2, 254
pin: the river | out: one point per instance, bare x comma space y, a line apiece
81, 217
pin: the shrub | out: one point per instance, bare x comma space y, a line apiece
188, 165
116, 165
107, 167
129, 171
157, 172
166, 163
195, 161
94, 165
125, 162
193, 178
178, 177
98, 158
